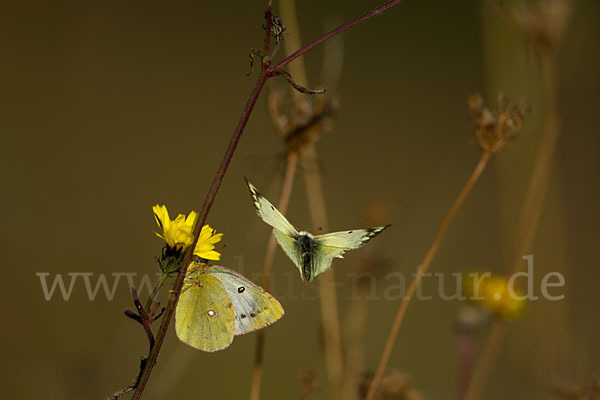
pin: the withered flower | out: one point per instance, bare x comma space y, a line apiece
494, 128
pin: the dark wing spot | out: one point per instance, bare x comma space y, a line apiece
272, 208
241, 289
350, 232
243, 316
252, 315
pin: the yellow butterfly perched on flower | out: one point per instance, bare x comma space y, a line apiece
217, 303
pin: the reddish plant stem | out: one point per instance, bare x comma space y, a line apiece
387, 352
210, 197
268, 25
335, 31
489, 355
466, 355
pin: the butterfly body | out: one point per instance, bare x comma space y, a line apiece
306, 245
312, 254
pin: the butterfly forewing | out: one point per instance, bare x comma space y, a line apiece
349, 240
204, 318
270, 214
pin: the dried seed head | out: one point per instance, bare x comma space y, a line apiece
374, 263
543, 21
394, 385
309, 382
494, 128
570, 391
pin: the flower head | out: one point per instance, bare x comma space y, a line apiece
492, 293
495, 127
176, 233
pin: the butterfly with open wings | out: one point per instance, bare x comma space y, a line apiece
312, 254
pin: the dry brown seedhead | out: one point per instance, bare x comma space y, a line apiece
574, 392
543, 21
373, 263
302, 122
309, 382
394, 385
495, 128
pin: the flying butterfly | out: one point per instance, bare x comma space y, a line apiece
217, 303
311, 254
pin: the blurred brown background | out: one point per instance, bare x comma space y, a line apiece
110, 107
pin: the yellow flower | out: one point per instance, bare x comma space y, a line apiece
176, 233
206, 244
493, 294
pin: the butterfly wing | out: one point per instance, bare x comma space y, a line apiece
334, 245
205, 318
290, 247
348, 240
270, 214
254, 307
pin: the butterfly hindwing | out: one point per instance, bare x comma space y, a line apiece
204, 318
254, 308
323, 257
289, 246
269, 213
334, 245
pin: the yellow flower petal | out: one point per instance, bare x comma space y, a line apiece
211, 255
176, 233
205, 245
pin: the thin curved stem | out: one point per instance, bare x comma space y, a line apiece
485, 156
488, 358
155, 290
335, 31
332, 340
529, 219
282, 205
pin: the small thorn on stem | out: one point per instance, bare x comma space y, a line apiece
296, 86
